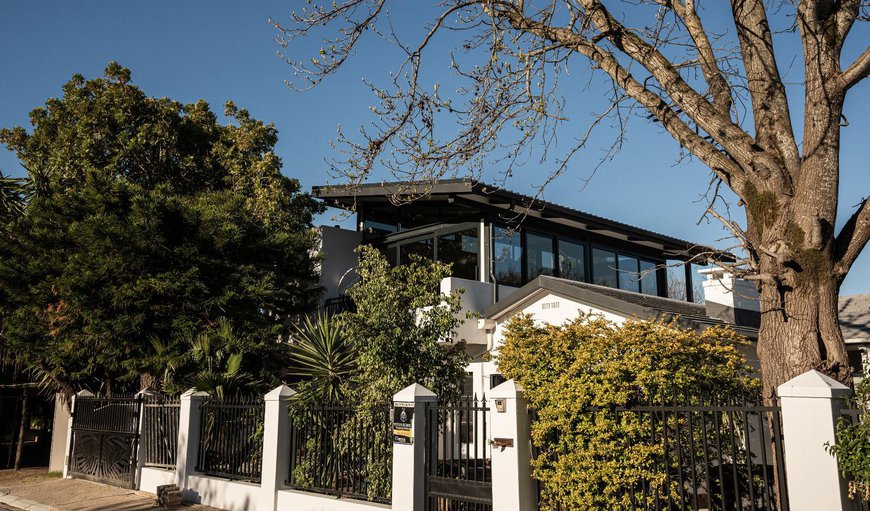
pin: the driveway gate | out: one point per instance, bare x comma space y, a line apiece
105, 438
458, 462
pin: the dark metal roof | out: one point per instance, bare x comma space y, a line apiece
498, 198
624, 303
855, 317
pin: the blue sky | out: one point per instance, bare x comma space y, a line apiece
221, 50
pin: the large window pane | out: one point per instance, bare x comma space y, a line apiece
628, 277
539, 256
507, 257
461, 250
423, 248
649, 284
379, 222
572, 261
604, 267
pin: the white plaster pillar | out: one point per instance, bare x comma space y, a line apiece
189, 415
811, 406
409, 473
276, 445
69, 434
513, 488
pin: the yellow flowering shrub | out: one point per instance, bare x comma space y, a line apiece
577, 374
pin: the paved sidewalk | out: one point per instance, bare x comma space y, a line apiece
32, 489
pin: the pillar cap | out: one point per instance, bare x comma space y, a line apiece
85, 393
506, 390
194, 393
415, 392
813, 384
282, 391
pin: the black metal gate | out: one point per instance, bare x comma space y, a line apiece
458, 462
105, 438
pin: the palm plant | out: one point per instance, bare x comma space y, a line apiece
212, 363
323, 357
13, 192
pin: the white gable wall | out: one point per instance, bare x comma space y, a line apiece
550, 309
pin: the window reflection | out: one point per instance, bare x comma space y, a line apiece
628, 273
649, 283
507, 257
572, 261
604, 267
461, 250
423, 248
540, 259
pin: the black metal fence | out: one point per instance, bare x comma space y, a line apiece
712, 457
852, 417
341, 451
458, 463
231, 439
159, 439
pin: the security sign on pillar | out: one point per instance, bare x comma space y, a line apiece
409, 444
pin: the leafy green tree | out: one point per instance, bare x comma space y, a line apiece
404, 329
323, 358
575, 375
853, 444
151, 221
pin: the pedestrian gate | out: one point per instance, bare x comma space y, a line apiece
458, 462
105, 438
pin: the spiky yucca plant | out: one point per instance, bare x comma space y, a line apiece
323, 357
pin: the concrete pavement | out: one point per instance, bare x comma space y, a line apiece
34, 490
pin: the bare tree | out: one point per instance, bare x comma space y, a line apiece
722, 98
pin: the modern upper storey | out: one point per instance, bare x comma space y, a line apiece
492, 235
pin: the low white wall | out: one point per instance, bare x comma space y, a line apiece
293, 499
150, 478
223, 493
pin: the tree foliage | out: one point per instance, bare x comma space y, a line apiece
708, 73
852, 448
577, 374
153, 221
404, 329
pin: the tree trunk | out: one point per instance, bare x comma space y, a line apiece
22, 429
800, 331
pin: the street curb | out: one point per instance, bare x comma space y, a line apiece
27, 505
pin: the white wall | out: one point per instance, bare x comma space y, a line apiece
549, 309
339, 256
223, 493
293, 500
151, 477
476, 297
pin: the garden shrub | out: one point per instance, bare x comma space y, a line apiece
853, 445
575, 375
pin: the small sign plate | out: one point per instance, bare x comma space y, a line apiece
403, 416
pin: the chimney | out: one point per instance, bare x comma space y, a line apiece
731, 299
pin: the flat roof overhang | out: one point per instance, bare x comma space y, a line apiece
498, 199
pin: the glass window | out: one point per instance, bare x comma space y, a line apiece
540, 259
649, 283
417, 215
461, 249
379, 222
628, 274
572, 261
507, 257
604, 267
676, 280
423, 248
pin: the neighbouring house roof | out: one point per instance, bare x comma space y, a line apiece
855, 318
624, 303
497, 197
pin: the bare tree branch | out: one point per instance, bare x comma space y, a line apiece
859, 70
852, 239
